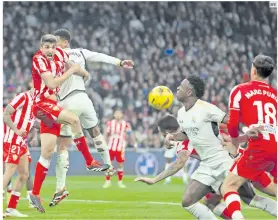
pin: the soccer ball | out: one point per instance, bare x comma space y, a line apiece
161, 97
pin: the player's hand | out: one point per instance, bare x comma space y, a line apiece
149, 181
86, 76
34, 142
129, 64
21, 132
253, 133
169, 141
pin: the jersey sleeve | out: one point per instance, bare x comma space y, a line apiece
234, 111
214, 114
108, 127
18, 101
128, 128
185, 146
40, 65
91, 56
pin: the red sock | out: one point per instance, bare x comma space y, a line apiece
232, 201
120, 175
107, 178
82, 146
40, 175
226, 213
14, 200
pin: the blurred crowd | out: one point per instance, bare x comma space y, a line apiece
167, 41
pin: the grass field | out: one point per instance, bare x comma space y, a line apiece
88, 200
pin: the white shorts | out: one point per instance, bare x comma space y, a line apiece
213, 175
80, 104
170, 153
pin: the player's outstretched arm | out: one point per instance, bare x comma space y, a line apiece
174, 167
9, 110
100, 57
53, 83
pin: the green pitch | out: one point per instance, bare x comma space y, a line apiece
88, 200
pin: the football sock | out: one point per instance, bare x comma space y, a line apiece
265, 204
14, 200
221, 211
232, 201
40, 174
102, 148
120, 174
62, 167
82, 146
200, 211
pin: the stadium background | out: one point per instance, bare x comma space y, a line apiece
167, 41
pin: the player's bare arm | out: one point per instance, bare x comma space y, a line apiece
174, 167
53, 83
33, 137
9, 110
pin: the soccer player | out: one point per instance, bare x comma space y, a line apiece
115, 132
73, 97
49, 70
168, 125
19, 119
255, 105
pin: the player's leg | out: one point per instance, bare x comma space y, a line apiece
107, 182
249, 197
29, 183
213, 202
23, 173
67, 117
120, 170
62, 166
194, 192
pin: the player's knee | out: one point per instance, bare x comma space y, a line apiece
74, 120
24, 175
186, 202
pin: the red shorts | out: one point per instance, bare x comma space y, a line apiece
15, 152
259, 157
118, 155
48, 111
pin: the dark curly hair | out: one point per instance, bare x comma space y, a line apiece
168, 122
63, 33
198, 85
264, 65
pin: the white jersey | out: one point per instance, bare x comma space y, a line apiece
82, 56
200, 123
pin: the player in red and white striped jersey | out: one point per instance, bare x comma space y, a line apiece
50, 69
19, 119
168, 124
116, 132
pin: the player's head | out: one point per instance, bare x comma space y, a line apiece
262, 67
118, 114
192, 86
48, 45
167, 124
63, 37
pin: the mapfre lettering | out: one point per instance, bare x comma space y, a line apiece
260, 92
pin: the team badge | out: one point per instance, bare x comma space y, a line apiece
15, 157
55, 108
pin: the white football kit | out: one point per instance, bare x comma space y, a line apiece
200, 123
72, 94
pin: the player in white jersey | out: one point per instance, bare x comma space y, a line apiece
168, 124
73, 97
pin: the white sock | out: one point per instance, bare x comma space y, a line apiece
44, 162
166, 167
265, 204
102, 148
200, 211
219, 209
62, 167
28, 193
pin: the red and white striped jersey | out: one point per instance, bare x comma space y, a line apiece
117, 131
41, 65
23, 117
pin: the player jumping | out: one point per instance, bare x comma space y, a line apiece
73, 97
49, 70
254, 104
